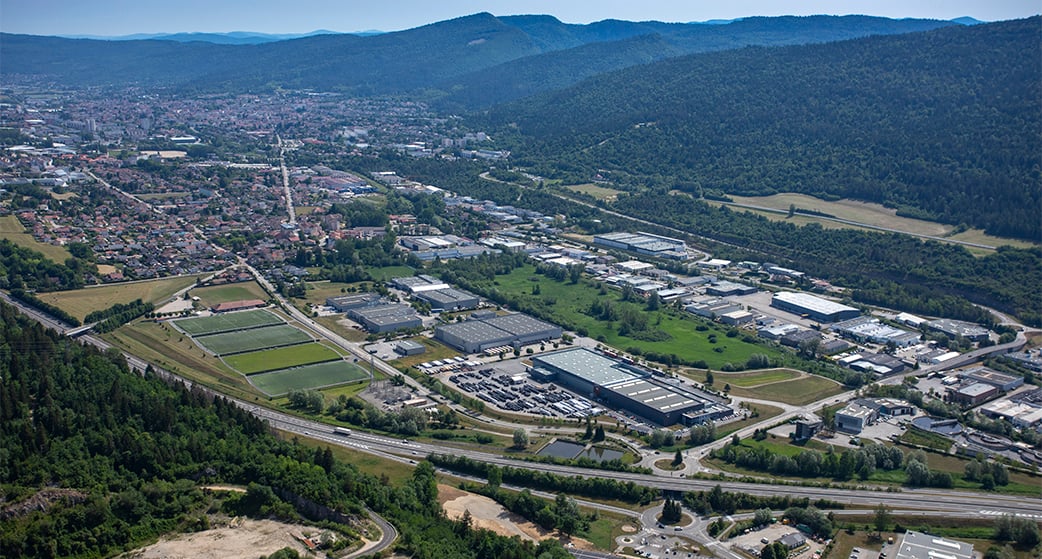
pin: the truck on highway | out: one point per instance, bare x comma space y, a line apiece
342, 431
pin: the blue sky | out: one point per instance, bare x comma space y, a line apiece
124, 17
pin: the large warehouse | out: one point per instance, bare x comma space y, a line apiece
626, 387
478, 334
817, 308
448, 299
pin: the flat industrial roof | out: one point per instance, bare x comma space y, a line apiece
588, 365
916, 545
654, 396
812, 303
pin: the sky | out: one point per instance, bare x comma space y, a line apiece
125, 17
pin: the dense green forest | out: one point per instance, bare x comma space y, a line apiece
944, 125
96, 460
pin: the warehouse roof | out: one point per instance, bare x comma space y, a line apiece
810, 302
589, 365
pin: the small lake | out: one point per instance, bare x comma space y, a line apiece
571, 450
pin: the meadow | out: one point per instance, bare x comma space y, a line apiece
12, 230
81, 302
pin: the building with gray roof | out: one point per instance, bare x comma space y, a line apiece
817, 308
449, 299
479, 334
386, 318
916, 545
854, 418
626, 386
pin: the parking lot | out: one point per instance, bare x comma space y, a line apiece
519, 394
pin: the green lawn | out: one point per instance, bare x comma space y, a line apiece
252, 340
566, 304
797, 391
210, 296
314, 376
227, 322
435, 351
281, 358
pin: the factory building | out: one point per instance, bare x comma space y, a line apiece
386, 318
869, 329
449, 299
478, 334
854, 418
644, 243
1003, 382
956, 328
916, 545
626, 387
817, 308
346, 303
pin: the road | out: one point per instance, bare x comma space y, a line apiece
290, 210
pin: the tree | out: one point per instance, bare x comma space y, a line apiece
569, 517
709, 378
598, 434
762, 517
520, 439
672, 512
678, 459
882, 517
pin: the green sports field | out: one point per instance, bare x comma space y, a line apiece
318, 375
254, 339
227, 322
280, 358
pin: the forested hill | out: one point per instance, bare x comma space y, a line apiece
426, 60
611, 45
943, 124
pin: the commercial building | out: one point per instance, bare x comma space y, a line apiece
478, 334
626, 387
854, 418
807, 427
409, 347
346, 303
644, 243
869, 329
916, 545
448, 299
957, 328
1003, 382
416, 284
973, 394
817, 308
1019, 414
386, 318
729, 288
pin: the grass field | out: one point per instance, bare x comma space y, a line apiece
210, 296
435, 350
280, 358
870, 214
567, 303
598, 192
227, 322
12, 230
308, 376
772, 385
257, 338
81, 302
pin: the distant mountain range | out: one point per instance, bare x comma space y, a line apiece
230, 38
452, 61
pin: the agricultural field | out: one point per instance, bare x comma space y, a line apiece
568, 304
317, 375
227, 322
12, 230
598, 192
81, 302
281, 358
212, 295
257, 338
868, 214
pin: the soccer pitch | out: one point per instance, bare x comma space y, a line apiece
228, 322
277, 383
280, 358
253, 339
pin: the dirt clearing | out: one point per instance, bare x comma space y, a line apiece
241, 539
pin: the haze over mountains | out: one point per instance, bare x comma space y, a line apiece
428, 57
